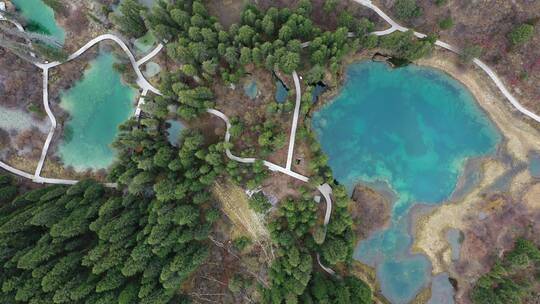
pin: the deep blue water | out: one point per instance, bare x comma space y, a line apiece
413, 128
281, 92
317, 91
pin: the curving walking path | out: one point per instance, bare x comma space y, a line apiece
150, 55
396, 27
325, 189
51, 118
141, 82
14, 22
250, 160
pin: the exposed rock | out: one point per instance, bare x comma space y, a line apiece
380, 57
371, 211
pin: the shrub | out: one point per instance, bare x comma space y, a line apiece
407, 9
440, 2
446, 23
242, 242
470, 52
259, 203
521, 34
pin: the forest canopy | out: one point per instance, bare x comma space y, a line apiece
141, 242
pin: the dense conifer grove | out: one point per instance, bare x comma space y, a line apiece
140, 242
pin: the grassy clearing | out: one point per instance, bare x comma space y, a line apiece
235, 205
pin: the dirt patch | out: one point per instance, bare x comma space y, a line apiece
531, 198
301, 157
54, 168
371, 211
26, 164
82, 21
227, 11
281, 186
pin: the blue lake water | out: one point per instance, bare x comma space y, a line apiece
534, 164
97, 105
38, 13
442, 292
412, 128
281, 92
250, 89
317, 91
173, 131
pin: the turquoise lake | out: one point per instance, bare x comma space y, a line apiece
37, 12
97, 105
412, 128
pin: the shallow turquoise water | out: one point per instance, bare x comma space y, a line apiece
38, 12
534, 164
97, 105
173, 131
442, 292
414, 128
250, 89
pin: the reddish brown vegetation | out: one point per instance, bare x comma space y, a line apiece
20, 81
488, 238
371, 210
77, 21
487, 23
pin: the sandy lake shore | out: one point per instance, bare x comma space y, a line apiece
519, 138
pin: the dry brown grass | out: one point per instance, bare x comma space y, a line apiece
227, 11
235, 205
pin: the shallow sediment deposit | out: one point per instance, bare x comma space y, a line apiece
489, 216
